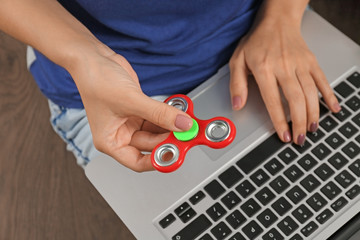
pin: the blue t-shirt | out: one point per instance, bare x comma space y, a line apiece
173, 46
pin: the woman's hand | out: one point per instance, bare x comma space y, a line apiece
275, 53
123, 121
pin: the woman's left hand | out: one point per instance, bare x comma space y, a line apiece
275, 53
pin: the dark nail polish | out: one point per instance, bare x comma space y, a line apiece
301, 139
313, 127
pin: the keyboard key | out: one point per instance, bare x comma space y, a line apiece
303, 148
237, 236
281, 206
345, 179
355, 167
296, 194
356, 119
323, 110
206, 237
166, 221
316, 202
343, 114
328, 123
182, 208
197, 197
267, 218
259, 154
330, 190
250, 207
307, 162
188, 215
293, 173
265, 196
351, 150
252, 230
221, 231
353, 103
216, 211
230, 200
354, 79
273, 234
230, 177
315, 136
353, 192
259, 177
287, 155
194, 229
344, 89
279, 184
273, 166
338, 161
302, 213
339, 204
321, 151
310, 183
309, 229
296, 237
358, 139
324, 172
214, 189
324, 216
348, 130
334, 140
288, 225
245, 188
235, 219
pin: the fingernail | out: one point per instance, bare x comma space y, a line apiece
287, 136
301, 139
313, 127
183, 122
337, 107
236, 102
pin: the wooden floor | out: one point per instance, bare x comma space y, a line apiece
43, 194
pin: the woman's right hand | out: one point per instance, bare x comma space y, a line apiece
124, 122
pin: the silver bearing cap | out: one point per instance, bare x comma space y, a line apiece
217, 131
166, 155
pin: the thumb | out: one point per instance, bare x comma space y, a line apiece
238, 82
163, 115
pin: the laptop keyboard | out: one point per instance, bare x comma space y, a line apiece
280, 191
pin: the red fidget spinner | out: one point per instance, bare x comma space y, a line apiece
217, 132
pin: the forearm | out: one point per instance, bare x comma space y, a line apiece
48, 27
284, 11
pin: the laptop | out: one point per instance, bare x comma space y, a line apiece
257, 187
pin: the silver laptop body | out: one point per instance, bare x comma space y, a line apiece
146, 202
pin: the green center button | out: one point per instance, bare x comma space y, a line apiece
189, 134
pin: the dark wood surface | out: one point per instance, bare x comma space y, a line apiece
43, 193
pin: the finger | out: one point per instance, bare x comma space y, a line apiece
162, 114
150, 127
132, 158
146, 141
325, 89
295, 97
271, 95
238, 82
312, 100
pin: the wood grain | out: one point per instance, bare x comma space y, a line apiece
43, 194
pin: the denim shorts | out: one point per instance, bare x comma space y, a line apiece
73, 127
